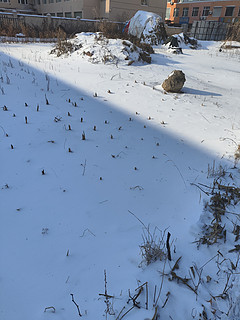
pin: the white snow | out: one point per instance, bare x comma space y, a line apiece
60, 230
143, 23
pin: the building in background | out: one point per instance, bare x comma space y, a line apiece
115, 10
180, 12
22, 6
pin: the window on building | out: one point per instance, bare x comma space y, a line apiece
44, 1
168, 11
78, 14
52, 14
229, 11
59, 14
217, 11
68, 14
195, 11
205, 12
144, 2
58, 0
176, 12
239, 12
185, 12
51, 1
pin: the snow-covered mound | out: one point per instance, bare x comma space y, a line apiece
146, 26
97, 49
181, 41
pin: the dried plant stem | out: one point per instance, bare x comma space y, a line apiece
168, 246
48, 308
160, 290
155, 313
78, 309
126, 313
120, 313
138, 220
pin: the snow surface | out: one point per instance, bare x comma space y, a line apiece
72, 208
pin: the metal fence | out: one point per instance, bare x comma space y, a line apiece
209, 30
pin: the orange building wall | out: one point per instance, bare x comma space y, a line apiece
201, 5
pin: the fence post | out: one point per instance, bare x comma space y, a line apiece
49, 19
14, 13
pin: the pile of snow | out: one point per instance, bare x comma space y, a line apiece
97, 49
146, 26
181, 41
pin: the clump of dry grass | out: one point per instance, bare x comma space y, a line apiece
65, 47
234, 32
110, 30
153, 247
222, 196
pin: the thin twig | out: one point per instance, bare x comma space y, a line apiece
79, 313
84, 167
168, 246
154, 295
193, 184
160, 290
53, 309
208, 261
126, 313
155, 313
120, 313
165, 302
138, 220
178, 171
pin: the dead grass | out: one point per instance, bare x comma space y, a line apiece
234, 32
65, 47
11, 29
153, 247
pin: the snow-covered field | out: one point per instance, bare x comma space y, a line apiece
73, 209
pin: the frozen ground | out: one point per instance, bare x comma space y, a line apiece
72, 208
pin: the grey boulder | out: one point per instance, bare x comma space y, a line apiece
174, 82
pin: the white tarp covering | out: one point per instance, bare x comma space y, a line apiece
143, 23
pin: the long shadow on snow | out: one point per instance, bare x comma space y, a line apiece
145, 170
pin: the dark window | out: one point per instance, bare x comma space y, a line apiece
78, 14
229, 11
68, 14
176, 12
205, 12
185, 12
144, 2
195, 11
